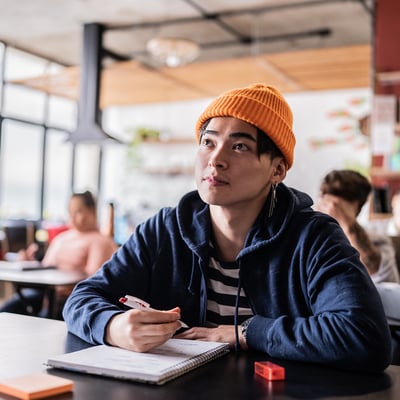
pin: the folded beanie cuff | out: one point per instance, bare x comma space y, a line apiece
261, 106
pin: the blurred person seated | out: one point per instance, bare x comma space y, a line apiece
81, 248
343, 194
393, 228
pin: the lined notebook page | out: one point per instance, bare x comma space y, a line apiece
168, 361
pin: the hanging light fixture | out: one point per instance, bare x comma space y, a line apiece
173, 52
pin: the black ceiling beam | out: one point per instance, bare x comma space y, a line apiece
216, 17
115, 56
285, 36
257, 10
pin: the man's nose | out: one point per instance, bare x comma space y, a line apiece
218, 158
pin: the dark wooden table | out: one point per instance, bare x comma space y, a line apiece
27, 342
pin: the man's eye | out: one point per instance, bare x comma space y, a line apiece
206, 142
240, 146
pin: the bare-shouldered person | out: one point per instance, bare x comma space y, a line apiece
82, 248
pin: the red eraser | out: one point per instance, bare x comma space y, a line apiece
269, 370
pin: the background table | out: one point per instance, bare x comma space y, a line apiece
47, 279
27, 342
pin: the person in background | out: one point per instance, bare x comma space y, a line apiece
343, 194
393, 227
82, 248
243, 259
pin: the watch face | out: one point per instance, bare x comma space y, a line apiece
244, 326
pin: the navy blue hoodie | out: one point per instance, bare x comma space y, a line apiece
311, 296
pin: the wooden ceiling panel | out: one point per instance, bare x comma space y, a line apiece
62, 83
324, 69
212, 78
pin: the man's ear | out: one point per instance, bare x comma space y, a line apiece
280, 169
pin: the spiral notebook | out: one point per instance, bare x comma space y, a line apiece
168, 361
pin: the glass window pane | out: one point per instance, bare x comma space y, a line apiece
1, 72
87, 167
21, 65
57, 176
62, 113
25, 103
21, 170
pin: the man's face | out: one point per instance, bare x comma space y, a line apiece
228, 169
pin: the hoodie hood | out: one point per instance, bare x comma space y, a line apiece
194, 219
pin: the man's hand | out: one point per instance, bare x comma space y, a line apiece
222, 333
343, 211
141, 331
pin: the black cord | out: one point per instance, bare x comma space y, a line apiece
235, 319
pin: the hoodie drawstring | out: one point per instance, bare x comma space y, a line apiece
235, 318
190, 285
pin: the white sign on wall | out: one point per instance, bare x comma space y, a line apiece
383, 119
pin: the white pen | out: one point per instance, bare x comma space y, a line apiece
139, 304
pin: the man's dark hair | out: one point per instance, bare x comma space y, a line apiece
347, 184
266, 146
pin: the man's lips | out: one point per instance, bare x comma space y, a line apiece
215, 181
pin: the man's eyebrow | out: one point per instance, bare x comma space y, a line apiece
234, 135
242, 135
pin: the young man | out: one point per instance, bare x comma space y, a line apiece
244, 259
343, 194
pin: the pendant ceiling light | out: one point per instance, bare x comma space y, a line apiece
173, 52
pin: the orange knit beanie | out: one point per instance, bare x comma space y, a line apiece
260, 105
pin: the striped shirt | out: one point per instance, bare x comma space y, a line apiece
222, 287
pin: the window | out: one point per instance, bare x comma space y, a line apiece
35, 157
24, 103
21, 170
62, 113
57, 176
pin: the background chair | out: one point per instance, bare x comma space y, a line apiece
390, 296
17, 235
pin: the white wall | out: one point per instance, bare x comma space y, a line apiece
342, 144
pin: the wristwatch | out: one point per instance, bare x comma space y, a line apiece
243, 327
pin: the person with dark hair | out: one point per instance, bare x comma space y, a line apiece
82, 248
343, 193
243, 259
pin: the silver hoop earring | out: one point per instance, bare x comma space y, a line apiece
273, 201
